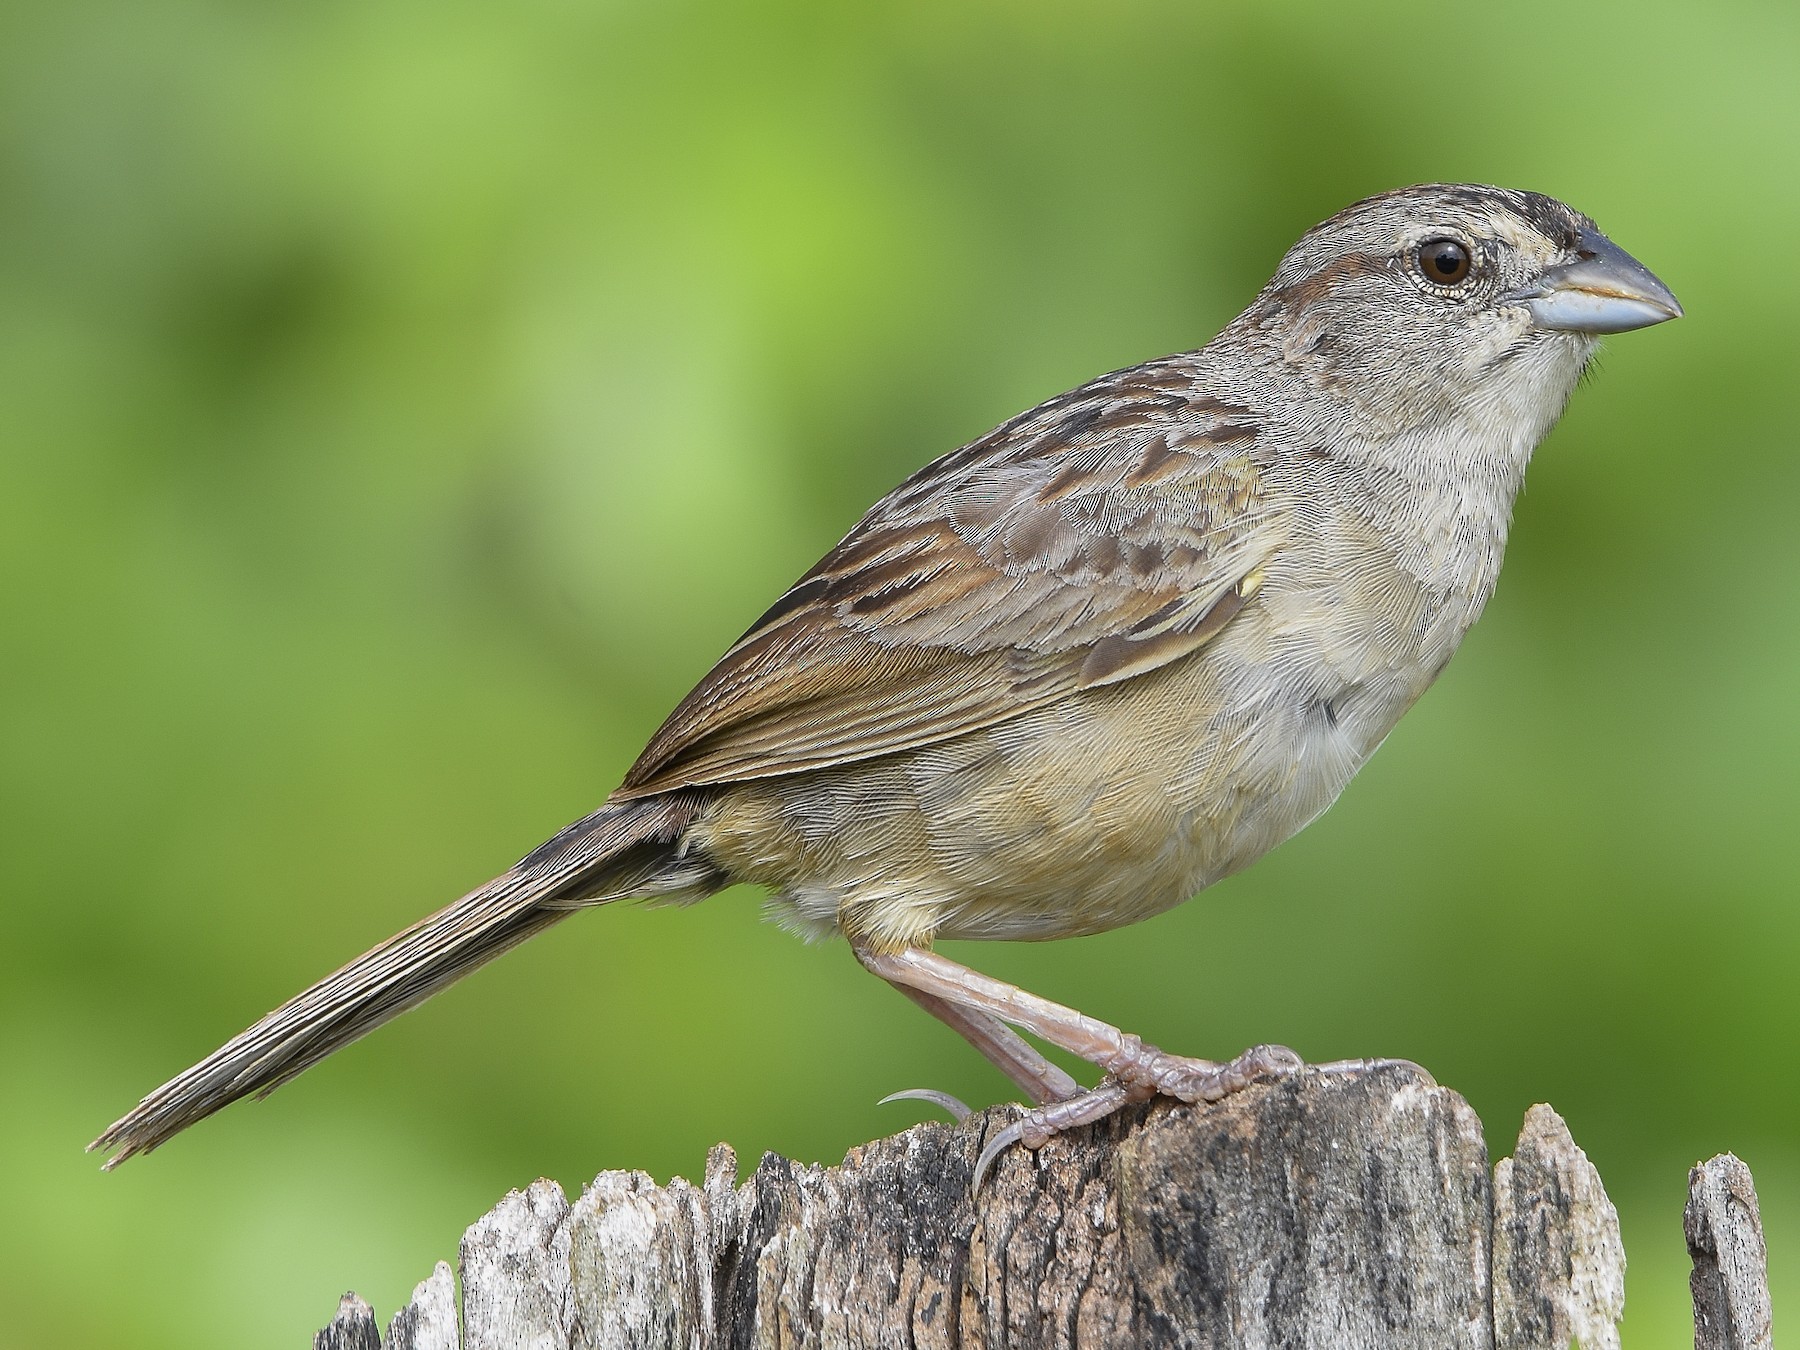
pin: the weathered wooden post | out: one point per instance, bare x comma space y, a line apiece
1324, 1211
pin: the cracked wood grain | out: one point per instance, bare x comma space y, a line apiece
1326, 1210
428, 1322
352, 1328
1730, 1282
1552, 1218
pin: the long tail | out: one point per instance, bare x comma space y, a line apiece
620, 850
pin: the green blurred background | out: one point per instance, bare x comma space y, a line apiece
401, 405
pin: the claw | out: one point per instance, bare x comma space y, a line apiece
1041, 1124
958, 1109
1349, 1067
994, 1147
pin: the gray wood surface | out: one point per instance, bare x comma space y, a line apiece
1329, 1211
1725, 1239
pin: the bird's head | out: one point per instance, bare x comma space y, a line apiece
1453, 299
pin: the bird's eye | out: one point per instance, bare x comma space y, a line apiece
1443, 261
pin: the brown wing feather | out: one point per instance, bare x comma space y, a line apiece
1094, 538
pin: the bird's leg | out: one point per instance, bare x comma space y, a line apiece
1040, 1080
1142, 1069
1134, 1070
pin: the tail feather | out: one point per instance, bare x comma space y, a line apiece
610, 854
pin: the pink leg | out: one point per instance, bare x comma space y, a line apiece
1142, 1069
1040, 1080
1134, 1070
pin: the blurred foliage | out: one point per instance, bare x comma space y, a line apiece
401, 404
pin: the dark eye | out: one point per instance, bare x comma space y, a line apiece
1443, 261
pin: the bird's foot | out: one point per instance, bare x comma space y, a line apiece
1136, 1073
1039, 1125
1144, 1071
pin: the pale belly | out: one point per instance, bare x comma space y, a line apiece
1095, 813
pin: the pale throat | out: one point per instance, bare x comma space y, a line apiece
1453, 478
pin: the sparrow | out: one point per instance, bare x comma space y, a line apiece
1065, 677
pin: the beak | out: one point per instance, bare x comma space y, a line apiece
1605, 290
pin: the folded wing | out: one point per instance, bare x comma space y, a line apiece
1095, 538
